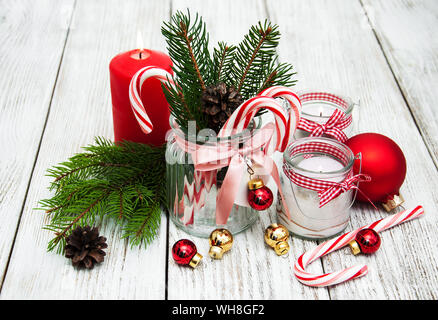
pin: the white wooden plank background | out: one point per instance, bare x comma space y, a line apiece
81, 109
411, 47
353, 47
32, 40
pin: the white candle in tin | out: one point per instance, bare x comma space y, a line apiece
320, 111
307, 219
321, 164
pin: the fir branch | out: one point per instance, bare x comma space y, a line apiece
251, 66
222, 62
263, 36
187, 44
63, 233
256, 64
121, 182
184, 34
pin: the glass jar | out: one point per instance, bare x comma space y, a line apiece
319, 159
191, 194
318, 107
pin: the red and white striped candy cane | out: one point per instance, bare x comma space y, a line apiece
333, 278
293, 112
135, 92
286, 122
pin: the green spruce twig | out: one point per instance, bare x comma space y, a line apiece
119, 182
250, 67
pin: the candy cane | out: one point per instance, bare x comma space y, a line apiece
286, 122
245, 112
135, 91
333, 278
285, 93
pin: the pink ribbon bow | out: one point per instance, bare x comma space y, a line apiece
333, 127
207, 158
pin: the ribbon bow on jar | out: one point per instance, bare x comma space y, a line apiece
327, 190
333, 127
207, 158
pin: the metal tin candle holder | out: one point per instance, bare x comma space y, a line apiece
311, 162
318, 115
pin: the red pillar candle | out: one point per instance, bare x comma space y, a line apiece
122, 68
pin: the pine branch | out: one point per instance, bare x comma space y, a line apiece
256, 64
121, 182
62, 234
263, 36
251, 67
222, 63
187, 42
184, 34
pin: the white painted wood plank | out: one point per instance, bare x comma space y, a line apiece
81, 109
32, 37
251, 270
333, 46
407, 32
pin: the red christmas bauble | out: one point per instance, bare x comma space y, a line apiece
368, 240
261, 198
183, 251
383, 160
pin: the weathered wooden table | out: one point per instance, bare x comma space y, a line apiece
55, 98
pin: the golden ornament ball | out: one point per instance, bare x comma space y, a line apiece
276, 236
221, 241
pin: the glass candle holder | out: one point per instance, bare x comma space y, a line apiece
192, 194
318, 107
315, 160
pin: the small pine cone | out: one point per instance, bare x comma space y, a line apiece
218, 103
84, 247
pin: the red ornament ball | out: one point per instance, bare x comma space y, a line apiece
183, 251
383, 160
261, 198
368, 240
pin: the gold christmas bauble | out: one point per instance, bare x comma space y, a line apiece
221, 241
276, 236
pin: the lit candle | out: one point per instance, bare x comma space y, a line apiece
122, 68
318, 107
307, 219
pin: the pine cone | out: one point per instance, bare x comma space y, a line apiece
218, 103
84, 247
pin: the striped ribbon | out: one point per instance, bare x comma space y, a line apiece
333, 127
337, 122
327, 190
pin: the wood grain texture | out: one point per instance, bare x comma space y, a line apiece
32, 37
333, 46
251, 270
81, 109
407, 33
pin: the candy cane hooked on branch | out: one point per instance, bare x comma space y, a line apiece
135, 91
333, 278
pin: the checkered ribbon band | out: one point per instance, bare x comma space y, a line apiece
337, 122
327, 190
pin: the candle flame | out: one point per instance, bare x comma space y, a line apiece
320, 111
140, 45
